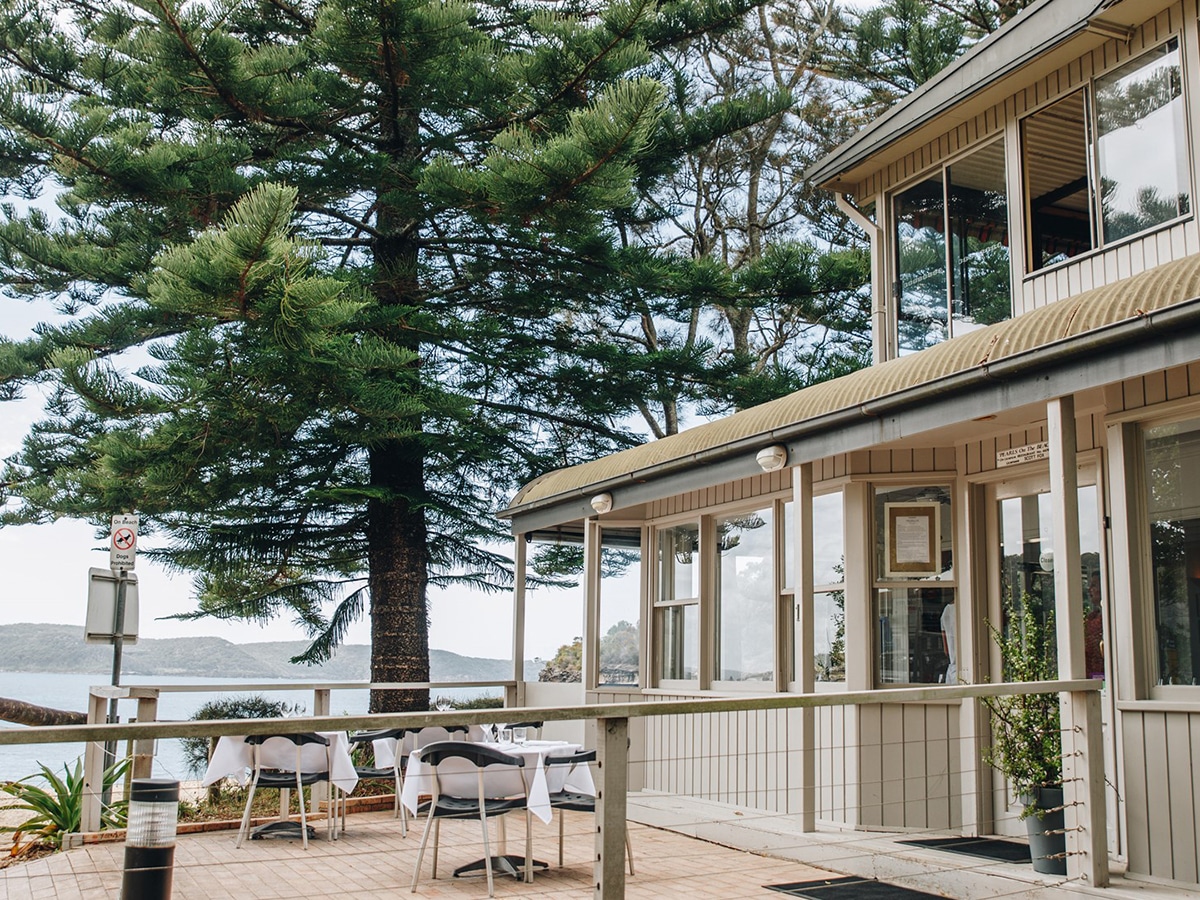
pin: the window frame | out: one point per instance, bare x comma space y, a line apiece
1087, 88
1148, 647
894, 192
880, 582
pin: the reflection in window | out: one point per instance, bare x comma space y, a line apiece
912, 642
1141, 142
958, 218
745, 597
620, 605
1054, 141
1172, 460
829, 597
921, 265
978, 217
1140, 155
679, 642
677, 617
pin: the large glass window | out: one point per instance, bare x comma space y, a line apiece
952, 260
829, 593
1096, 175
745, 597
1141, 144
914, 590
677, 604
1173, 499
620, 605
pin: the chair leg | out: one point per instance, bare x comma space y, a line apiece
437, 842
303, 815
487, 849
400, 812
628, 849
430, 825
562, 814
528, 846
246, 816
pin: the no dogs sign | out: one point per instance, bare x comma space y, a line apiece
122, 548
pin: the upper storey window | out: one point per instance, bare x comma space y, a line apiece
1101, 171
951, 243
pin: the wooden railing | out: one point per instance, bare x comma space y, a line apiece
1083, 761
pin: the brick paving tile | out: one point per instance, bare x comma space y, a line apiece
372, 860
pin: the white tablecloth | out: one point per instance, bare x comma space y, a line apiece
458, 776
234, 757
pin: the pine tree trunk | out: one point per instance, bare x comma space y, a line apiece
396, 535
28, 714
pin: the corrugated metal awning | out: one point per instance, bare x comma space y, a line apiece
1072, 327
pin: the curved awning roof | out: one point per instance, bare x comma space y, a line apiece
1095, 322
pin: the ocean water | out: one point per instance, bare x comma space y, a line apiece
70, 691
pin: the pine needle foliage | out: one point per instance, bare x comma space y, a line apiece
324, 262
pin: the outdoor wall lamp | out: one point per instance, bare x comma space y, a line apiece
773, 458
602, 503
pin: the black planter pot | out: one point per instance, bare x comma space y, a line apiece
1047, 838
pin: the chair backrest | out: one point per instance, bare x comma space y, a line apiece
469, 770
583, 756
432, 734
298, 738
476, 754
302, 756
366, 737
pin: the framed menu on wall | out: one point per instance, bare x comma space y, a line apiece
912, 539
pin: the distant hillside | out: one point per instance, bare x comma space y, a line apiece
60, 648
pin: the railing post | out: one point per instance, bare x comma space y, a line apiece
143, 751
93, 767
1083, 795
612, 738
320, 790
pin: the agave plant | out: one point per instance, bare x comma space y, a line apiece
57, 805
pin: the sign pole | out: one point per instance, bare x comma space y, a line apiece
110, 746
122, 553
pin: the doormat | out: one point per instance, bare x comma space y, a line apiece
987, 848
848, 889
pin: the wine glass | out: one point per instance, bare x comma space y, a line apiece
443, 704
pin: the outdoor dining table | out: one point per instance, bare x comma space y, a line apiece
234, 758
535, 779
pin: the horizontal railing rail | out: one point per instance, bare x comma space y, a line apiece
48, 734
1080, 696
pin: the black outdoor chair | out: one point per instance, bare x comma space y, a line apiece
284, 777
461, 764
394, 773
575, 802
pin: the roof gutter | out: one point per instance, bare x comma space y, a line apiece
1143, 327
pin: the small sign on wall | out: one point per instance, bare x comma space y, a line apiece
913, 540
1027, 453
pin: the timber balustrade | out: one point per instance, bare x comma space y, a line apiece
1083, 762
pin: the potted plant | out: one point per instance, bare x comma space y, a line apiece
1026, 730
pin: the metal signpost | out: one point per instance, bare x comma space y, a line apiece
122, 553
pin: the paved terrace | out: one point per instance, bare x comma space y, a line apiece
683, 849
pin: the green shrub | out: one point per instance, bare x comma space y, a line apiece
57, 806
249, 706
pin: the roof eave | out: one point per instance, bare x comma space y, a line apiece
1028, 37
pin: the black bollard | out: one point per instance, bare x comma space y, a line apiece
150, 839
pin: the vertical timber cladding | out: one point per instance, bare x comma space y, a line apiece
1162, 755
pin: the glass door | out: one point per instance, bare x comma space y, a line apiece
1027, 562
